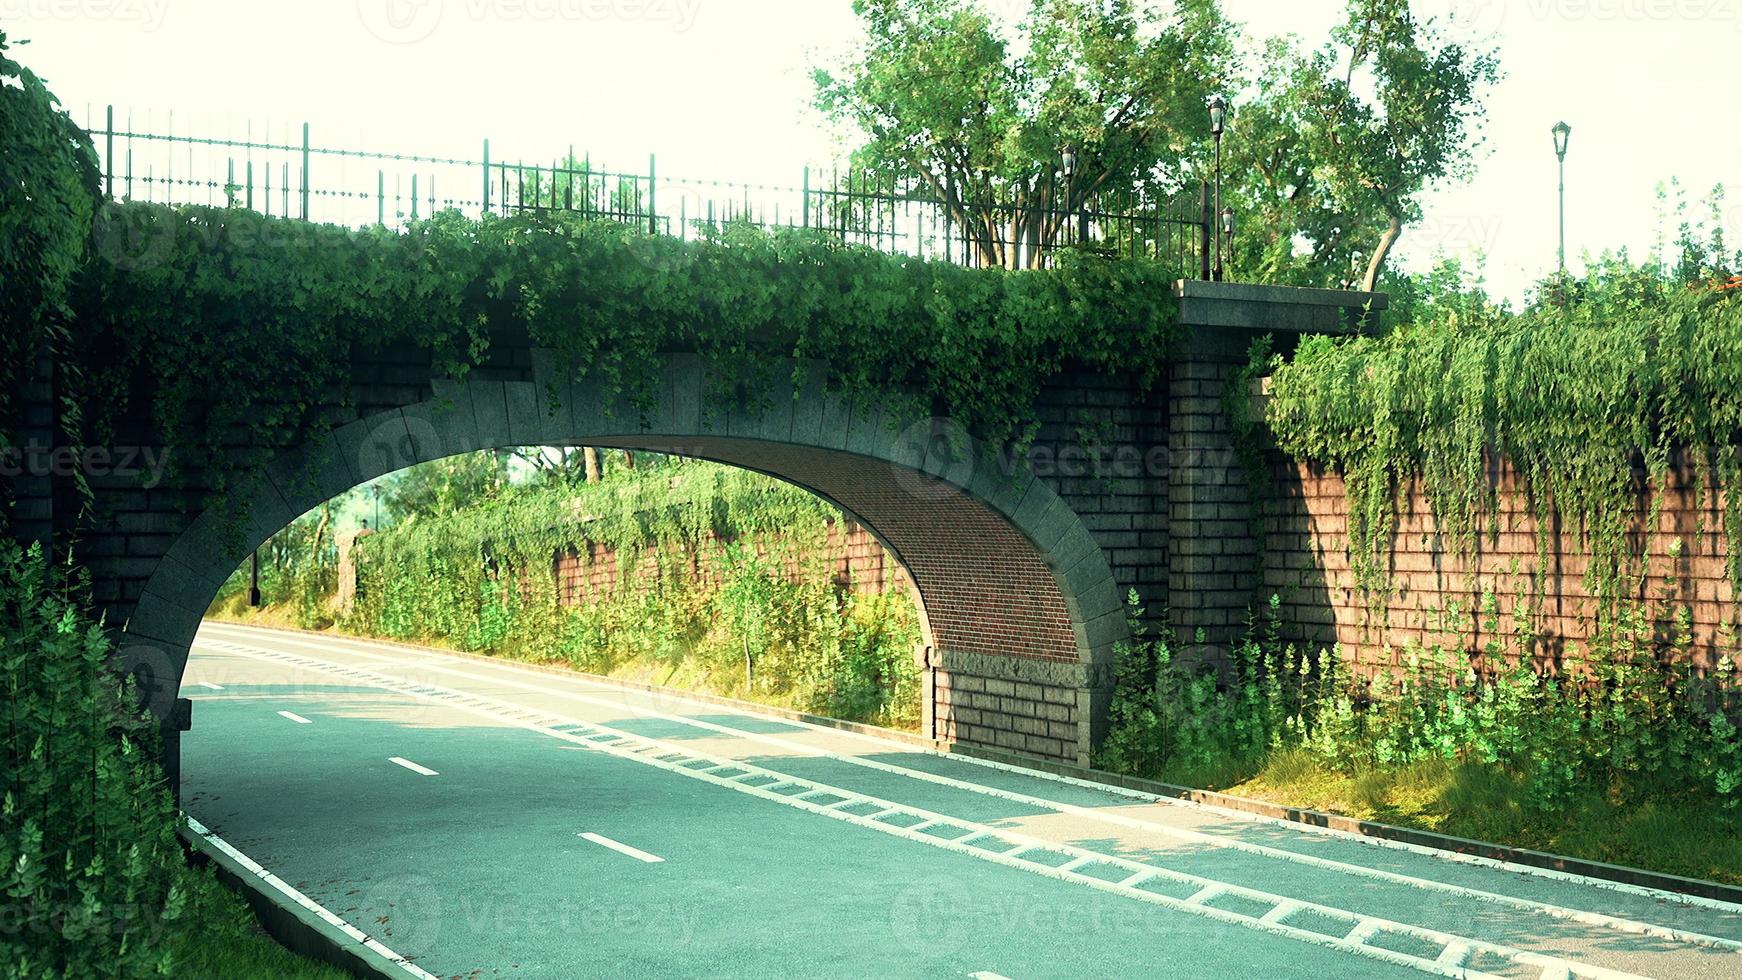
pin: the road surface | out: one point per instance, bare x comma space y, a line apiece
487, 819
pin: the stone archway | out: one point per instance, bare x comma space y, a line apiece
1020, 604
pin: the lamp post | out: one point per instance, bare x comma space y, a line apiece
254, 579
1561, 134
1227, 235
1068, 162
1218, 118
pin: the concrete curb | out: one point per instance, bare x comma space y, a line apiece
1524, 857
1380, 831
292, 918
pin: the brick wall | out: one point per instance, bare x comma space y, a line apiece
1434, 601
1104, 446
854, 555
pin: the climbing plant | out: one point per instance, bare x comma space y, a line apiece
48, 193
1594, 396
224, 327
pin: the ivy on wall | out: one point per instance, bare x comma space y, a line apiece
48, 193
226, 327
1623, 373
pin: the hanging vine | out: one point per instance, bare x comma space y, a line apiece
226, 328
1593, 401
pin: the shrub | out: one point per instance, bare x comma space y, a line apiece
761, 618
1636, 729
90, 867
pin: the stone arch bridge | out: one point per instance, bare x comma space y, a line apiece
1021, 568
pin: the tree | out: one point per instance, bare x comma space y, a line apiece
1328, 152
948, 106
444, 486
1334, 147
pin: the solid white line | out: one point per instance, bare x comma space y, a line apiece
1557, 911
633, 852
208, 685
414, 767
293, 716
326, 915
504, 711
987, 975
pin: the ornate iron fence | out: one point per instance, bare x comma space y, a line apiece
298, 179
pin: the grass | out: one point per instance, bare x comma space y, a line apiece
219, 938
1692, 836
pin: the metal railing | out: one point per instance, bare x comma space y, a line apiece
299, 179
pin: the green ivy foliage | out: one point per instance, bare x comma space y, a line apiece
91, 873
760, 618
217, 322
1615, 377
48, 193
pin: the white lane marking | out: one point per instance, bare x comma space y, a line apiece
293, 716
1619, 923
620, 848
679, 760
987, 975
326, 915
414, 767
208, 685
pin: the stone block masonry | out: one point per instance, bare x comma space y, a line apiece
1022, 566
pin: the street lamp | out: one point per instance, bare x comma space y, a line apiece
1218, 120
1561, 134
1068, 157
1227, 233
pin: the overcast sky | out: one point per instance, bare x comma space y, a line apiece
721, 88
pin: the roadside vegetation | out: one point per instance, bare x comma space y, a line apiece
94, 879
722, 580
1623, 749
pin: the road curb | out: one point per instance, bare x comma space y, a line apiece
295, 925
1525, 857
1486, 850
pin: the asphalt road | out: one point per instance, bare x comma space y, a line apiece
486, 819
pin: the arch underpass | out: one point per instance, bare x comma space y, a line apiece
1020, 607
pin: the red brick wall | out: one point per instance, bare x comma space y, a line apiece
1306, 562
858, 561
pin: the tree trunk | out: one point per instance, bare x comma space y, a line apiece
590, 457
1376, 265
320, 534
628, 459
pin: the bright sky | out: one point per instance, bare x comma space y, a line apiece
721, 88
